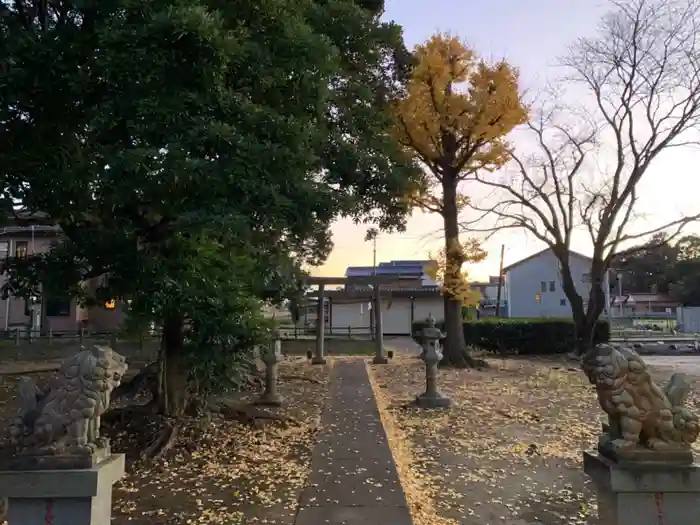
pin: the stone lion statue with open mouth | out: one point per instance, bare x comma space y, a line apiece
642, 417
66, 417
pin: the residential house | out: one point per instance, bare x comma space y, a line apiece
412, 295
489, 296
48, 313
533, 285
640, 305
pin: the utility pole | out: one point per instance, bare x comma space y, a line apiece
500, 282
371, 235
375, 322
619, 292
374, 255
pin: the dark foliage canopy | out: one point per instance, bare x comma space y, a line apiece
195, 152
147, 130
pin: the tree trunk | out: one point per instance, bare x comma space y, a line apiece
585, 319
174, 373
585, 330
455, 351
584, 335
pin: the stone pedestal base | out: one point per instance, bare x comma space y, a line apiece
433, 400
380, 360
315, 360
67, 496
644, 494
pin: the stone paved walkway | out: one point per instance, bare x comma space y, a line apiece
353, 476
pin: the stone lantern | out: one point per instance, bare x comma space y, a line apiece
432, 355
271, 358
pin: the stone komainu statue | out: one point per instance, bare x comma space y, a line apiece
642, 416
66, 417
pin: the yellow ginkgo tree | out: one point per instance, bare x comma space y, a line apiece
456, 283
453, 120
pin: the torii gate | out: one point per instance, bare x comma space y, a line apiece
375, 281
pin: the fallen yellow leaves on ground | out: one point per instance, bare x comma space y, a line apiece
508, 451
236, 473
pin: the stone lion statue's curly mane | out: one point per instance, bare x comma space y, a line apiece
67, 417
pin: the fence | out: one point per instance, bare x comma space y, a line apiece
331, 332
642, 325
24, 344
21, 334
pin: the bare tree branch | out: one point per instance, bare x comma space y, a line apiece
642, 72
677, 228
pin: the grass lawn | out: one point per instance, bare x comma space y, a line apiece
508, 452
220, 471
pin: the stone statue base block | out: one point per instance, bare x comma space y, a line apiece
645, 456
70, 496
31, 461
646, 493
318, 360
433, 400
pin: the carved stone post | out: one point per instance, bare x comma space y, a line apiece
319, 359
379, 357
271, 358
432, 398
64, 481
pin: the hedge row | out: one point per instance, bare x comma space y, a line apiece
522, 336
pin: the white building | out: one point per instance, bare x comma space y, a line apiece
410, 295
489, 296
533, 285
353, 312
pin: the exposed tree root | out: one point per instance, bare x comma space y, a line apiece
462, 360
163, 442
293, 377
122, 414
146, 378
252, 415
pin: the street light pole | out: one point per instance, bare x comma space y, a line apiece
619, 291
374, 255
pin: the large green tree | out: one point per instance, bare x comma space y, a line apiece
647, 268
196, 152
662, 267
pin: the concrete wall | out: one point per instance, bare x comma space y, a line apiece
524, 283
689, 319
397, 314
423, 307
354, 315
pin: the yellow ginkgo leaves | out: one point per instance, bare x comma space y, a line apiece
451, 277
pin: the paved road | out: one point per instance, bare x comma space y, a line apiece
687, 364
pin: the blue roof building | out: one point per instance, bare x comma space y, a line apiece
401, 269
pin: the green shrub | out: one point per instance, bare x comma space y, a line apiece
522, 336
528, 336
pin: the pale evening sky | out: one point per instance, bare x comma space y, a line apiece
530, 35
